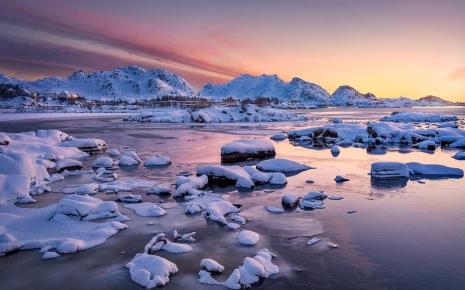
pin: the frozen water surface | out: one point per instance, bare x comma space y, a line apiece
403, 234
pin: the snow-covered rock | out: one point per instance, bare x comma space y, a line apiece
410, 117
129, 198
211, 266
221, 174
425, 145
159, 190
161, 242
68, 164
56, 227
89, 144
433, 170
250, 272
146, 209
86, 207
246, 149
126, 160
281, 165
151, 271
103, 161
189, 185
248, 238
159, 160
389, 170
88, 188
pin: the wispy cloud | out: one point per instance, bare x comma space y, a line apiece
458, 74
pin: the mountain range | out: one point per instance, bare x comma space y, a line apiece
135, 83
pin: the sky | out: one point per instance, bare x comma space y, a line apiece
390, 48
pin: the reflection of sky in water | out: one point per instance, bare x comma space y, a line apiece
404, 237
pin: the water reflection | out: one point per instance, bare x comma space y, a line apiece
387, 183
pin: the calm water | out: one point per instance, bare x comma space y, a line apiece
410, 237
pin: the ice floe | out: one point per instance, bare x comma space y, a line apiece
313, 241
146, 209
189, 237
151, 271
246, 149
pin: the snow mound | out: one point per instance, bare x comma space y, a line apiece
409, 117
151, 271
246, 149
103, 161
281, 165
88, 145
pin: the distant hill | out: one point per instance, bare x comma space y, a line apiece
268, 86
126, 83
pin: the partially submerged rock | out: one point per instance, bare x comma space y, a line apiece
159, 160
91, 145
129, 198
341, 179
246, 149
389, 170
281, 165
290, 201
86, 207
68, 164
433, 170
248, 274
190, 185
161, 242
103, 161
279, 136
211, 266
146, 209
459, 155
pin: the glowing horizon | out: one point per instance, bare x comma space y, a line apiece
389, 48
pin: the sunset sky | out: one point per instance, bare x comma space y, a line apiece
390, 48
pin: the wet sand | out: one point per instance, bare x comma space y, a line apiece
401, 237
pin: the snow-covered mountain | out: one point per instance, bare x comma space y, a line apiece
269, 86
348, 96
126, 83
